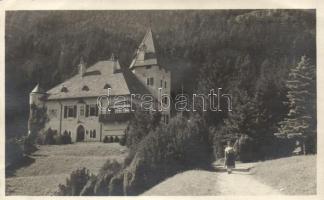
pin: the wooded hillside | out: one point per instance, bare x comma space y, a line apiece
251, 48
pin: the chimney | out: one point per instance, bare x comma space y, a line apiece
116, 66
82, 67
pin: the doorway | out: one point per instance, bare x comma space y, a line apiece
80, 134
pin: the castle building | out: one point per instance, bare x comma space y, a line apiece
72, 106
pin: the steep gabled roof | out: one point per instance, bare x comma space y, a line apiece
95, 79
145, 54
135, 86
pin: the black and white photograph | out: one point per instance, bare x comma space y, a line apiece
160, 102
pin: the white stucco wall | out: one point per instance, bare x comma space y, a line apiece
89, 123
158, 74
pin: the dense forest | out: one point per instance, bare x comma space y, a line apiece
248, 53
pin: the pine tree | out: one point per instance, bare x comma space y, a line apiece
243, 119
301, 118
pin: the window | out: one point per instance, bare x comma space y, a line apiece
64, 89
91, 110
70, 111
165, 84
92, 133
150, 81
82, 110
85, 88
107, 86
161, 83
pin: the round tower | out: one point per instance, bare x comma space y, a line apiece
35, 101
36, 96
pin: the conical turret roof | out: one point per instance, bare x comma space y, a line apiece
37, 89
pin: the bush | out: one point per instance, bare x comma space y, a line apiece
122, 141
63, 139
139, 126
116, 185
282, 147
180, 145
40, 139
246, 149
49, 136
28, 145
74, 185
116, 139
106, 139
14, 152
98, 185
106, 173
66, 138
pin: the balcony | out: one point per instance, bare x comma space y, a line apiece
115, 117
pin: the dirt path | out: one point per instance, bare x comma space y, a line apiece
241, 182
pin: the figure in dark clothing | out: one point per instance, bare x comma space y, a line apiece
229, 157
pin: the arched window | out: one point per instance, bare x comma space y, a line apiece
64, 89
85, 88
107, 86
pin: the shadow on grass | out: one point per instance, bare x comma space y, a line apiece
24, 162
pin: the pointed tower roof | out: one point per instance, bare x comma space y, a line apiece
145, 54
37, 89
148, 41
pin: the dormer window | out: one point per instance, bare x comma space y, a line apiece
107, 86
85, 88
64, 89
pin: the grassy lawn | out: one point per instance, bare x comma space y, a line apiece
188, 183
54, 163
293, 175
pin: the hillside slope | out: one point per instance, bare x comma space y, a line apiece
299, 174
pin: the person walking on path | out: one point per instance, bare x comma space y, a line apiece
229, 157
